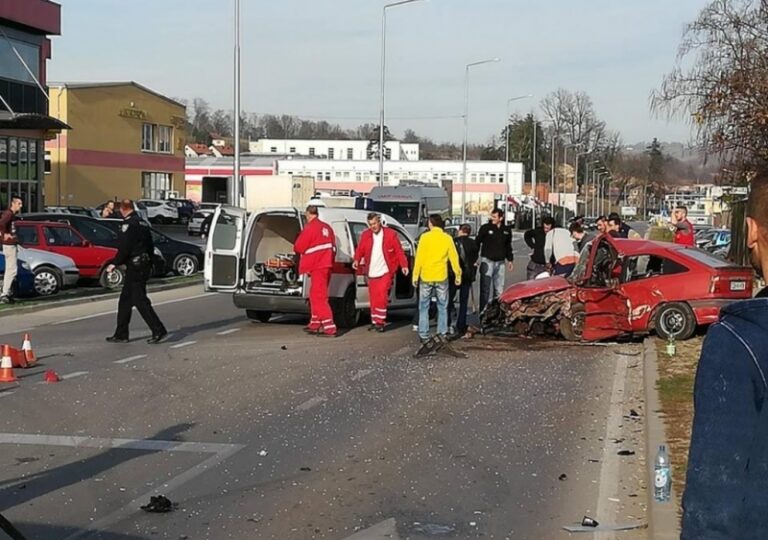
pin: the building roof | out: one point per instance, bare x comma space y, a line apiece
88, 85
216, 162
32, 121
199, 148
225, 150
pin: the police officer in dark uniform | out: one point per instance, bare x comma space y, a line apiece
135, 252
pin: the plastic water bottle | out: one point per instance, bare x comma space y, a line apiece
662, 481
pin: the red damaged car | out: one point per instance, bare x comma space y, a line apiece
623, 287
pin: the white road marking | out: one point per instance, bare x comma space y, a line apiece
184, 344
609, 470
74, 375
7, 393
130, 359
112, 312
220, 453
311, 402
385, 530
227, 332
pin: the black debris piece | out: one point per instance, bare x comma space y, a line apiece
305, 469
633, 413
589, 522
284, 348
159, 504
626, 452
563, 477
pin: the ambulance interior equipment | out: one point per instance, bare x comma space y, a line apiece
271, 265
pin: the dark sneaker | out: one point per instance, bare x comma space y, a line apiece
157, 338
115, 339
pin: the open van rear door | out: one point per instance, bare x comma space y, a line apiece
223, 252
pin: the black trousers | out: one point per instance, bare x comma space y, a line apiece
134, 294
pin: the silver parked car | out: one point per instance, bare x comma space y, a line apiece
52, 271
196, 222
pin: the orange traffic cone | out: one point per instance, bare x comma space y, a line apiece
6, 366
27, 352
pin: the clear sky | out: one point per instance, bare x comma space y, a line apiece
320, 58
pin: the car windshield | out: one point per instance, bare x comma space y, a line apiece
705, 257
404, 212
581, 267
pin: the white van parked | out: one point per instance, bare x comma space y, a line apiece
252, 257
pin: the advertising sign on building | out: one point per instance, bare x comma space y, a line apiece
629, 211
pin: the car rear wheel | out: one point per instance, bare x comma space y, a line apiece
185, 264
675, 321
261, 316
112, 280
572, 328
47, 281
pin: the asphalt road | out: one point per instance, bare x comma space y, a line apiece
260, 431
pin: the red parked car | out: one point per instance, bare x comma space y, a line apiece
63, 239
624, 287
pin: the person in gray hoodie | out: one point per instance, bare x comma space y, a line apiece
726, 493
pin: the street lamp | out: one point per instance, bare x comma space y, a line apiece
383, 75
466, 127
506, 135
565, 175
601, 183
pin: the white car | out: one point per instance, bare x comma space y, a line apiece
195, 224
160, 212
52, 271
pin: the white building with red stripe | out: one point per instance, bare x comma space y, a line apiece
486, 180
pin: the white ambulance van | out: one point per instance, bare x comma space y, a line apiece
251, 257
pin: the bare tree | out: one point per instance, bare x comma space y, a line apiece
720, 81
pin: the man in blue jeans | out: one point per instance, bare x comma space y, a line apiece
433, 254
494, 241
726, 491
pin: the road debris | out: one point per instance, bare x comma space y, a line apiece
159, 504
604, 528
589, 522
563, 477
263, 453
432, 529
626, 452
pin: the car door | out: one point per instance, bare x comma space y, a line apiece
363, 299
65, 241
343, 275
403, 293
606, 307
223, 253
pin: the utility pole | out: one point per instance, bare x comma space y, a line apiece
236, 200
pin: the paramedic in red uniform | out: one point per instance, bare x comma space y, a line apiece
378, 256
316, 244
683, 229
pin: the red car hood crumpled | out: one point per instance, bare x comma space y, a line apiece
534, 287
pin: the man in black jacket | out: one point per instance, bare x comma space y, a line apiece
494, 242
468, 254
135, 250
535, 239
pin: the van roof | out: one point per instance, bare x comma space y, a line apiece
400, 192
336, 214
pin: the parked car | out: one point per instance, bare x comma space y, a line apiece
622, 288
185, 207
78, 210
195, 224
160, 212
714, 238
181, 258
63, 239
139, 207
97, 232
51, 271
24, 284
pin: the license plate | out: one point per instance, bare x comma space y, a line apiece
738, 285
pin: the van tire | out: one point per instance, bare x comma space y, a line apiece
256, 315
345, 314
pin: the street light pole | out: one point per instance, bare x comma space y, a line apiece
466, 128
236, 169
383, 78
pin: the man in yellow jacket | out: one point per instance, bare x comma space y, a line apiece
435, 251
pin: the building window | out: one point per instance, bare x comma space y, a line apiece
493, 178
47, 161
501, 179
387, 153
273, 149
346, 174
327, 177
350, 153
358, 177
330, 153
155, 185
292, 149
148, 138
164, 136
311, 151
319, 177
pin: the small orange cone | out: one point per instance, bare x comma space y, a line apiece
6, 367
27, 352
51, 376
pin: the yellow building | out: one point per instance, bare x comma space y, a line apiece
126, 141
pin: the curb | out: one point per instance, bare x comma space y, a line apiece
22, 310
663, 523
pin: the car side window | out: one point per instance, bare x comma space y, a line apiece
646, 266
404, 242
357, 230
60, 236
27, 235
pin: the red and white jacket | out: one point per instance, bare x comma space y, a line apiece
685, 236
393, 251
316, 244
